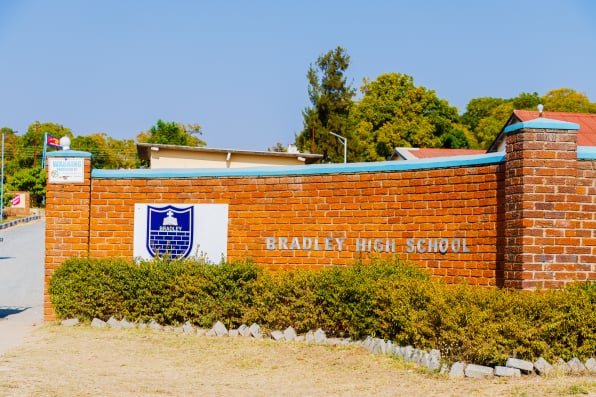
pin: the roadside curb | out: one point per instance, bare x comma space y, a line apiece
18, 221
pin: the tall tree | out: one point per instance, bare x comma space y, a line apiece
124, 153
31, 144
489, 127
485, 117
172, 133
567, 100
478, 109
331, 99
11, 150
395, 113
97, 145
526, 101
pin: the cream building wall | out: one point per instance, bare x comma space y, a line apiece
173, 156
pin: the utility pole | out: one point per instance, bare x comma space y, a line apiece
35, 145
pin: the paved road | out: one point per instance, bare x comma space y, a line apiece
21, 281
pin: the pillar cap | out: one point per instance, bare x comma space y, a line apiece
543, 123
69, 153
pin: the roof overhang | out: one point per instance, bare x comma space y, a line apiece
144, 149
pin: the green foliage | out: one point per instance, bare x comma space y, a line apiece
567, 100
455, 139
11, 151
172, 133
489, 127
486, 117
108, 153
478, 109
387, 298
395, 113
122, 153
331, 99
94, 144
278, 148
32, 180
527, 100
31, 144
168, 291
23, 155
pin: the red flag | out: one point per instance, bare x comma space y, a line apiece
53, 141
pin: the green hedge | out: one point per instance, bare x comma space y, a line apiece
388, 299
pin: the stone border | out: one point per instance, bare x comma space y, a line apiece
430, 360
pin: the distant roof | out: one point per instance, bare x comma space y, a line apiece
143, 150
403, 153
586, 135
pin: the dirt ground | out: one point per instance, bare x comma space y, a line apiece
83, 361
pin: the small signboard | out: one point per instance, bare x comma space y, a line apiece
16, 200
181, 231
66, 170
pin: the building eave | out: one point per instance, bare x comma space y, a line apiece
143, 149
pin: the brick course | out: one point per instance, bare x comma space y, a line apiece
528, 221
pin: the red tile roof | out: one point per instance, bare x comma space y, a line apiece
586, 136
424, 153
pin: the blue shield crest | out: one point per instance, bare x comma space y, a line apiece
170, 231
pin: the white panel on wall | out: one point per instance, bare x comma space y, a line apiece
181, 231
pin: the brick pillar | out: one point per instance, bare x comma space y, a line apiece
67, 213
541, 208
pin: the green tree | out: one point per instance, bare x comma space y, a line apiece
30, 149
526, 101
489, 127
394, 113
32, 180
486, 117
11, 150
455, 139
123, 153
478, 109
278, 147
95, 144
331, 99
108, 153
567, 100
172, 133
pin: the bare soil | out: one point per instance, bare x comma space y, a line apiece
83, 361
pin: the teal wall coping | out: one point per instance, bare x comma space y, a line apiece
382, 166
69, 153
543, 123
586, 152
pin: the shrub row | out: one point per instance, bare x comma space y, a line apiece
387, 299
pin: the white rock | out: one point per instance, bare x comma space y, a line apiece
507, 371
479, 371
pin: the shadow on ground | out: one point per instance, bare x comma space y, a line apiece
6, 311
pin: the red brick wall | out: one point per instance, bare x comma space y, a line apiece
548, 243
67, 226
585, 188
391, 206
527, 222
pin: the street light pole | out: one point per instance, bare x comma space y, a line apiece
344, 140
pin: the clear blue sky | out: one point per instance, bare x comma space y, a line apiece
238, 68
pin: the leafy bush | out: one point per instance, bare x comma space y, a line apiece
388, 299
